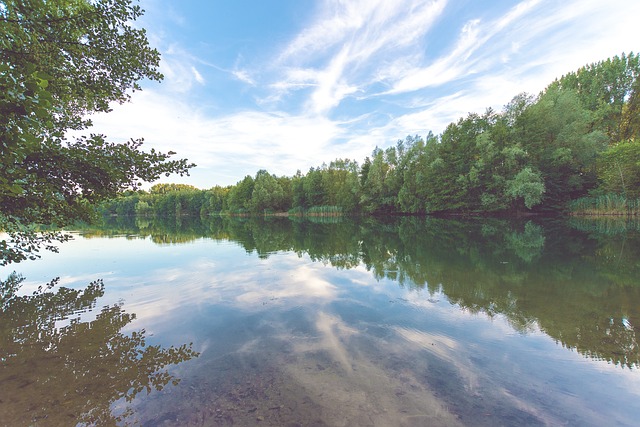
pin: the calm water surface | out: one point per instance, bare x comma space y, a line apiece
410, 322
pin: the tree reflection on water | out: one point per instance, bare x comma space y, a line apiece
576, 281
60, 370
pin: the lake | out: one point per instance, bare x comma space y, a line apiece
334, 322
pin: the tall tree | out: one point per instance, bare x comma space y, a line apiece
239, 198
374, 195
267, 193
341, 183
630, 121
313, 189
410, 196
562, 145
603, 88
619, 169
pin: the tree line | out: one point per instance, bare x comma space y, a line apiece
577, 139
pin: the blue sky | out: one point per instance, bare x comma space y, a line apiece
284, 85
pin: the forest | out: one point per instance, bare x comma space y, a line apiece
573, 148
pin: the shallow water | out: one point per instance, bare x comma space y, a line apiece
405, 322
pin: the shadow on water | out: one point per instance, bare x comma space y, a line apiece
59, 369
577, 281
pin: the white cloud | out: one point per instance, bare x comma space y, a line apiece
366, 25
331, 86
244, 76
473, 35
341, 49
179, 70
197, 75
227, 147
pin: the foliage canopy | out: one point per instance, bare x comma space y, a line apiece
60, 61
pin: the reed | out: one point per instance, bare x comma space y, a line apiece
324, 211
608, 204
317, 211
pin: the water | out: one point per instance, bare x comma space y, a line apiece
402, 322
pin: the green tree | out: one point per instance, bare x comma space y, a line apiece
298, 199
143, 208
364, 171
167, 188
313, 189
528, 185
214, 200
59, 62
267, 194
450, 187
619, 169
416, 184
630, 121
239, 198
341, 184
381, 186
286, 201
603, 88
562, 144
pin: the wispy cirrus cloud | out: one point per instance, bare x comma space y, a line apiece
472, 38
365, 26
179, 70
244, 76
337, 55
197, 75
